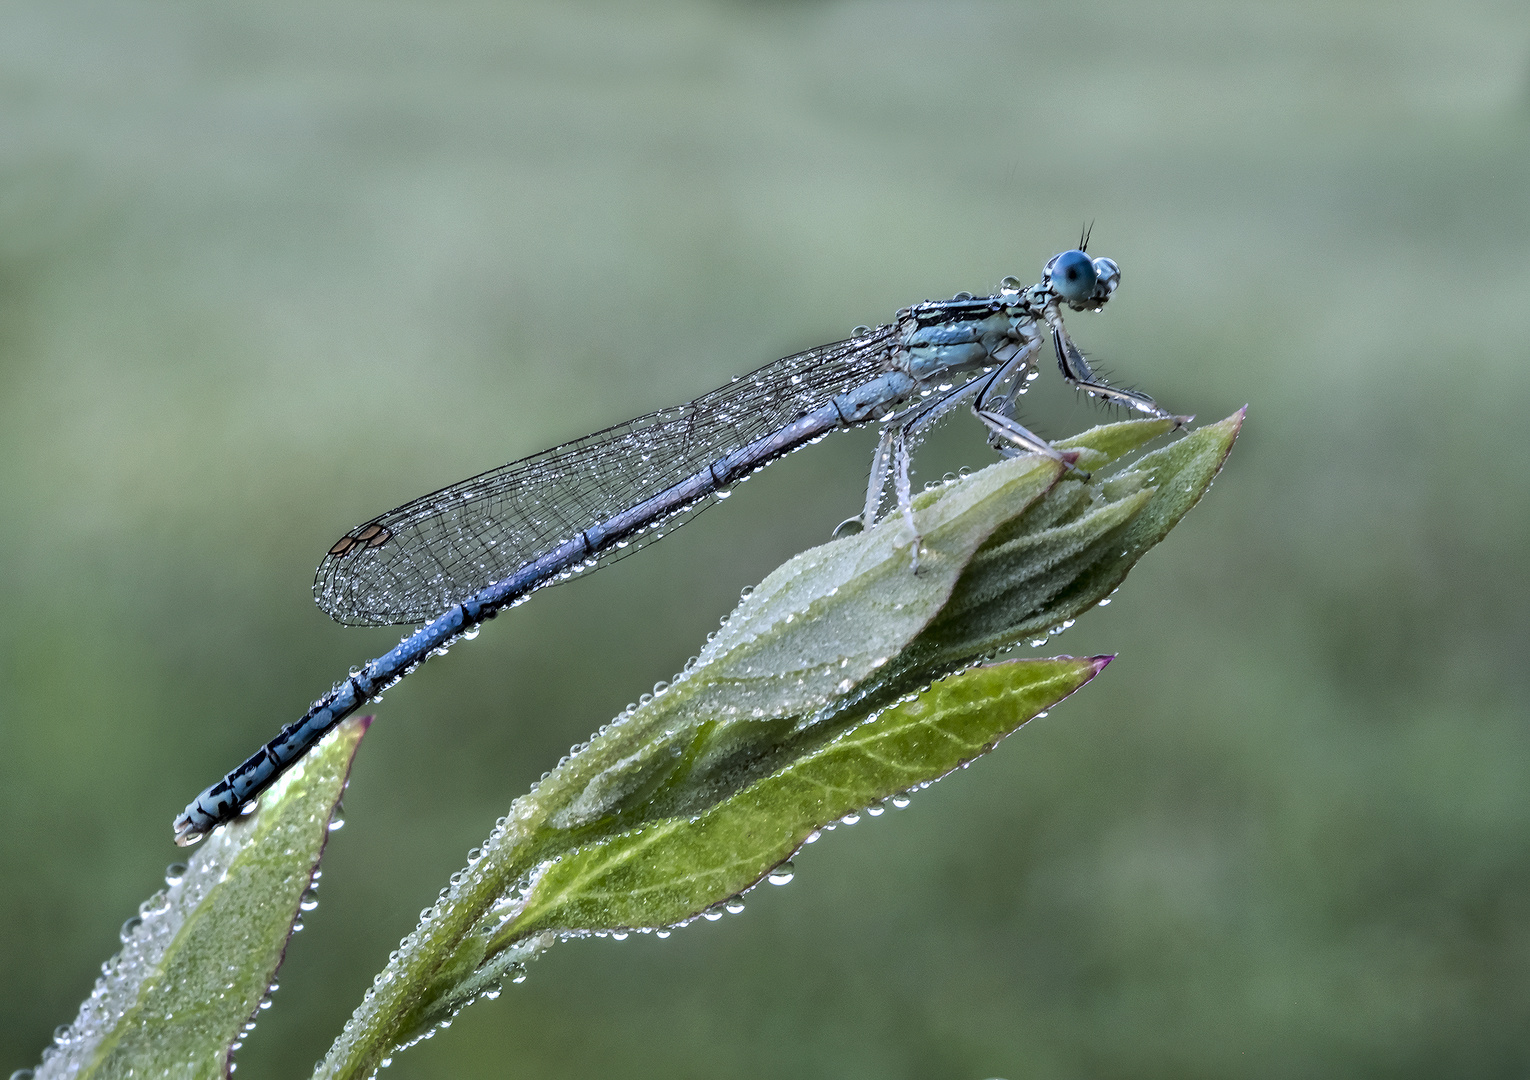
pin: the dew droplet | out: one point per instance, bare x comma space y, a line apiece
899, 801
734, 906
781, 874
175, 873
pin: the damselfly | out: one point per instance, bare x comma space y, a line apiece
456, 557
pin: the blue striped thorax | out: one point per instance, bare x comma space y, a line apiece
964, 333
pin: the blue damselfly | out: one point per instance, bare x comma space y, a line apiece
456, 557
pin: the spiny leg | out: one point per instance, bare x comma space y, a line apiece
895, 447
992, 412
1018, 434
1076, 370
1003, 405
876, 483
903, 489
912, 422
917, 420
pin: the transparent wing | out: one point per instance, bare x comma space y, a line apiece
411, 564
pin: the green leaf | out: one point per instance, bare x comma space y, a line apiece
695, 793
196, 965
663, 873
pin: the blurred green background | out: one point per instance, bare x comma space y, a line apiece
266, 270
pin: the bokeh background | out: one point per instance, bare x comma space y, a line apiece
268, 269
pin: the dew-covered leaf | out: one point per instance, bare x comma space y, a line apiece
665, 872
830, 616
198, 961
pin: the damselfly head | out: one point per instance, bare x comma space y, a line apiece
1079, 281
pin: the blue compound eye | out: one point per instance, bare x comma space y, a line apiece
1073, 275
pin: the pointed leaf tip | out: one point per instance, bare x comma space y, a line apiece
198, 960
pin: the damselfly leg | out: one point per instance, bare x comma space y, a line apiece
1080, 376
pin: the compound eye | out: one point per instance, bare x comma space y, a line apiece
1109, 275
1073, 276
